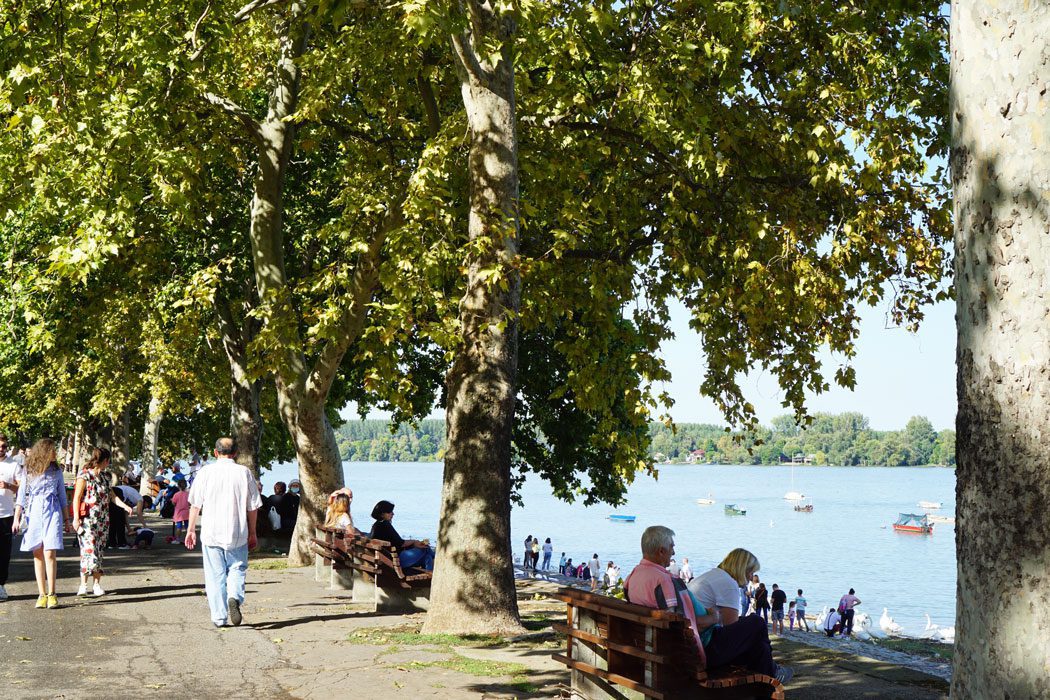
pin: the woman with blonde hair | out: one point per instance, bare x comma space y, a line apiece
739, 641
42, 512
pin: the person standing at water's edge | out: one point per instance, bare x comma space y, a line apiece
10, 471
800, 611
846, 605
548, 550
227, 494
595, 571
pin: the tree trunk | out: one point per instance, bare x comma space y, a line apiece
473, 589
320, 471
150, 441
246, 424
1001, 172
121, 441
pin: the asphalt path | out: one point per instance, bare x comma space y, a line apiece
149, 636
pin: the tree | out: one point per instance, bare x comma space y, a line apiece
919, 436
1001, 171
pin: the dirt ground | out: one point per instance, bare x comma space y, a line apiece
151, 636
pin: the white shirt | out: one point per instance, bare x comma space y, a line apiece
10, 470
686, 574
715, 589
832, 619
224, 491
129, 495
595, 567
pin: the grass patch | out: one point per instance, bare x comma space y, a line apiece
523, 686
919, 647
410, 636
476, 667
272, 564
536, 622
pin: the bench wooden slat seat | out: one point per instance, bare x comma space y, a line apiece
616, 649
378, 576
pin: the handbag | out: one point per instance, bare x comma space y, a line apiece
83, 511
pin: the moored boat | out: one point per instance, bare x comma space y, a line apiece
731, 509
621, 518
794, 496
914, 523
946, 519
932, 505
705, 501
807, 508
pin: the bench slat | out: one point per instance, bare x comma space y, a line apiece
657, 622
612, 677
614, 646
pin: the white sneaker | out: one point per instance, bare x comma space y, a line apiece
3, 593
82, 590
97, 590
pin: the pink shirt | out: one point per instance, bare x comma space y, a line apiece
642, 585
181, 501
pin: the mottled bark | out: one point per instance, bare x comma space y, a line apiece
246, 424
473, 589
1001, 171
121, 441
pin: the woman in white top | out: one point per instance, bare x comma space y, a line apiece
739, 641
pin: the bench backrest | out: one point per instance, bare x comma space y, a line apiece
652, 652
374, 559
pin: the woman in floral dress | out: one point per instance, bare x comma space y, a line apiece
91, 498
41, 512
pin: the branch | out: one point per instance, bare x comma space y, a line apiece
232, 109
246, 11
426, 92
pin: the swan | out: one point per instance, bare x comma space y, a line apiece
887, 624
862, 627
944, 634
930, 627
864, 621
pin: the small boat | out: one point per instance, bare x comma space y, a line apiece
946, 519
932, 505
731, 509
799, 508
911, 522
794, 496
705, 501
621, 518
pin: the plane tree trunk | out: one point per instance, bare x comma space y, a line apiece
473, 589
1001, 171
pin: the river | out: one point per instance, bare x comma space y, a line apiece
845, 542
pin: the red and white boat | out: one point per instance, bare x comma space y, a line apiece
916, 523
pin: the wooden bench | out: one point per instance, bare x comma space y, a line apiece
616, 649
377, 575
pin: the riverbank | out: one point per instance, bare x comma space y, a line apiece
150, 636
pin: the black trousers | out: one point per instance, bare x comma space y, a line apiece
743, 643
6, 540
118, 527
847, 622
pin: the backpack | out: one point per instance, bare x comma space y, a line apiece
275, 518
842, 605
167, 510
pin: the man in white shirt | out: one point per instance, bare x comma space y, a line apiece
10, 471
227, 493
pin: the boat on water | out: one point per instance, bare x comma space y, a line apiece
794, 496
931, 505
918, 524
731, 509
705, 501
804, 508
946, 519
621, 518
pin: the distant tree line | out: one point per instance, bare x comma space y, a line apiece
844, 439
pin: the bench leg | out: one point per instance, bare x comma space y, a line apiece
402, 600
587, 686
342, 579
320, 570
365, 591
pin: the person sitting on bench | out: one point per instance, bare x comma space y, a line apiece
411, 553
738, 641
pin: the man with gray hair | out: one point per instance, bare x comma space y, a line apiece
651, 585
229, 497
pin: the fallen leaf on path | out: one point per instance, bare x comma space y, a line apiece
101, 638
155, 686
25, 661
277, 640
23, 639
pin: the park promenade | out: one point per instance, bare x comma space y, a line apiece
151, 637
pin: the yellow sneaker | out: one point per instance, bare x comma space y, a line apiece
41, 602
52, 601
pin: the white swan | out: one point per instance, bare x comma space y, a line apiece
862, 627
944, 634
930, 627
887, 625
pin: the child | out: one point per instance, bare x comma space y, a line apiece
791, 616
143, 538
338, 514
181, 514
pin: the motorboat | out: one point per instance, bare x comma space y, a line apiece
931, 505
705, 501
794, 496
914, 523
804, 508
946, 519
731, 509
621, 518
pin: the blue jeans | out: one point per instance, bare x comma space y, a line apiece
421, 558
224, 571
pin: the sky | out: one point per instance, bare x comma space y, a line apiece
899, 374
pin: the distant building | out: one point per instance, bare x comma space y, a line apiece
695, 456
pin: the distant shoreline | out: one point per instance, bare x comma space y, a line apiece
700, 464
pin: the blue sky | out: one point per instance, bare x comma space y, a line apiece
899, 374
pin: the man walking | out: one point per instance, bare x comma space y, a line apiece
227, 493
10, 470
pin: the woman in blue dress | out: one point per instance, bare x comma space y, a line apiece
42, 513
